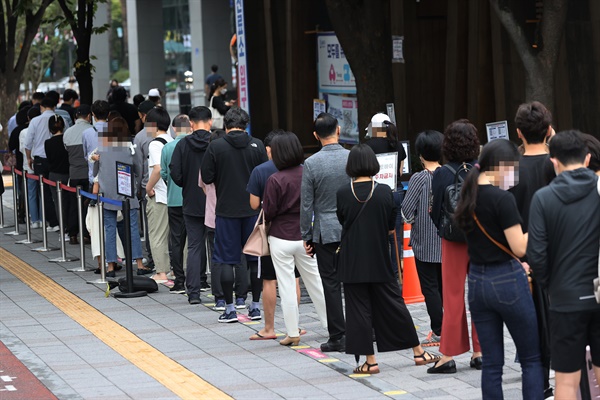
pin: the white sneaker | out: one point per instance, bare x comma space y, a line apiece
36, 225
52, 228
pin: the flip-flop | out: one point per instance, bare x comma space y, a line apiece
258, 336
159, 280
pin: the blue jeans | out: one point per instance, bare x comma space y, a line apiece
499, 294
398, 197
110, 234
33, 190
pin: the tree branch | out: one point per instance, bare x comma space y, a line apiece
89, 17
515, 32
2, 39
33, 24
68, 14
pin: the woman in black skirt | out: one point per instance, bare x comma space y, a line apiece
367, 213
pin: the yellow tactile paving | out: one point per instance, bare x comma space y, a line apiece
181, 381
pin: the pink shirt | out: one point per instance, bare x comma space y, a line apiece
211, 202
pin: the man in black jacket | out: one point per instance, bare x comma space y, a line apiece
185, 166
228, 163
564, 237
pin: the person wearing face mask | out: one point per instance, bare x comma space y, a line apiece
499, 291
217, 97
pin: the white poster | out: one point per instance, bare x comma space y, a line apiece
345, 109
497, 130
388, 169
397, 49
243, 96
335, 75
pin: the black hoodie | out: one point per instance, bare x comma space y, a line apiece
564, 235
185, 167
228, 164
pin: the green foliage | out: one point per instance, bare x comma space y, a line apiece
121, 75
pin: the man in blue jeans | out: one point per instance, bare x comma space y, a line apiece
228, 163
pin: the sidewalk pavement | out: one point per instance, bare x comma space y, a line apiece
75, 364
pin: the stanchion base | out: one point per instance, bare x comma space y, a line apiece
25, 241
130, 295
6, 226
97, 282
13, 233
45, 249
80, 270
61, 260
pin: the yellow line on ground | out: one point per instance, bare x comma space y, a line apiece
181, 381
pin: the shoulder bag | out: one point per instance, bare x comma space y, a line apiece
449, 229
504, 249
257, 243
217, 117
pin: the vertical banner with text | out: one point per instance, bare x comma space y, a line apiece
243, 95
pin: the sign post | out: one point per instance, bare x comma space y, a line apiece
243, 95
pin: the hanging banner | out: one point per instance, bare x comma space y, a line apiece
335, 75
319, 107
243, 96
345, 109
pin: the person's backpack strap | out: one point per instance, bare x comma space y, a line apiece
159, 139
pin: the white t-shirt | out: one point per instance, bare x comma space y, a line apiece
22, 139
154, 152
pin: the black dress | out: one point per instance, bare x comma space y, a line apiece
372, 294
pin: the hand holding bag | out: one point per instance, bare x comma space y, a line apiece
257, 243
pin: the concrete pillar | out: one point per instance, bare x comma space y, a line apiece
211, 31
146, 50
100, 48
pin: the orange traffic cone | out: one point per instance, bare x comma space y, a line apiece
411, 288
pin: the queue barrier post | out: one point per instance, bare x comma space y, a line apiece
143, 220
44, 247
15, 204
126, 210
61, 225
27, 217
102, 279
81, 236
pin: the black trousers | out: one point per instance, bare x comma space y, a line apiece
177, 236
40, 167
72, 220
332, 289
66, 200
380, 307
144, 226
430, 277
196, 262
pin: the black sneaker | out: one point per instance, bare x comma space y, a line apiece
194, 300
228, 317
177, 289
204, 287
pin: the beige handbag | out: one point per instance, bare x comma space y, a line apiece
257, 243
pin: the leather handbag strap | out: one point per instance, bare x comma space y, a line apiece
355, 218
500, 245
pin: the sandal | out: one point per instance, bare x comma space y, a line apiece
361, 369
424, 360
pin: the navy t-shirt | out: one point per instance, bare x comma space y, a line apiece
258, 178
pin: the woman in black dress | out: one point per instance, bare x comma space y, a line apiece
373, 299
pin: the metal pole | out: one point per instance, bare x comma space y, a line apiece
102, 279
27, 217
15, 204
61, 226
128, 267
45, 247
81, 236
143, 218
2, 210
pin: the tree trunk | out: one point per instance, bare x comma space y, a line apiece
540, 63
83, 73
9, 88
369, 55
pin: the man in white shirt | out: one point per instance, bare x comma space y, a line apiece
37, 134
157, 125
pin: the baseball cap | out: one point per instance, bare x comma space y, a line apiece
377, 121
145, 106
153, 93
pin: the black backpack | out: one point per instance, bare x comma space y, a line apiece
448, 227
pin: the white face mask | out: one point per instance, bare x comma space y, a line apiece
223, 91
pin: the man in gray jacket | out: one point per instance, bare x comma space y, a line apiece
323, 174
